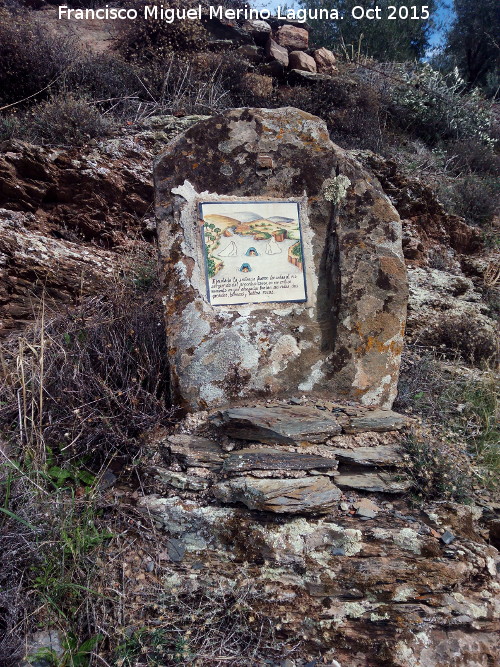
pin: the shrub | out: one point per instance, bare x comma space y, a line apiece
471, 156
464, 337
9, 127
103, 78
437, 106
92, 380
353, 110
66, 119
31, 57
474, 198
145, 40
461, 417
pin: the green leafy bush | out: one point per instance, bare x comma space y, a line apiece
437, 106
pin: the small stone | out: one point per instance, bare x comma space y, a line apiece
338, 551
292, 37
276, 52
176, 550
345, 507
325, 61
197, 565
250, 52
150, 566
366, 508
447, 537
107, 480
301, 61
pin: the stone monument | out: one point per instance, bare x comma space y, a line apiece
282, 261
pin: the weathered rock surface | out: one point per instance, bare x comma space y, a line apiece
376, 482
70, 218
279, 425
33, 264
307, 495
301, 61
352, 324
195, 451
298, 77
441, 303
376, 591
376, 420
263, 458
381, 455
277, 52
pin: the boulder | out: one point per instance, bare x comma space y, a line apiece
345, 338
276, 52
325, 61
292, 37
259, 30
301, 61
307, 495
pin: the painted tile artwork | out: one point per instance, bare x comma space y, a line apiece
253, 252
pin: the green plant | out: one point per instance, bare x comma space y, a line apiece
75, 654
438, 106
437, 470
157, 647
461, 415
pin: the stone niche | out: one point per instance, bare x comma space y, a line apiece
340, 334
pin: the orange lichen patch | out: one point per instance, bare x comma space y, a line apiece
195, 165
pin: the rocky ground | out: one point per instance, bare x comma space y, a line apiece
297, 510
275, 533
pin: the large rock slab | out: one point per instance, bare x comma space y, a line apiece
375, 482
376, 420
264, 458
307, 495
381, 455
278, 425
346, 338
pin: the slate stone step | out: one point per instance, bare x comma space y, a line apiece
381, 482
191, 450
306, 495
376, 420
380, 455
266, 458
286, 425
